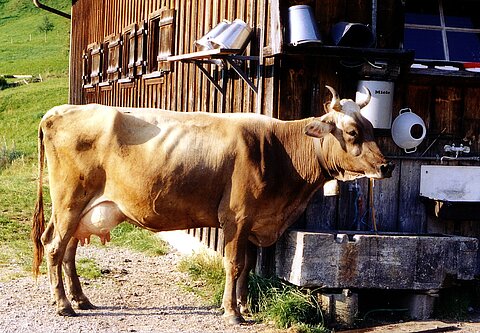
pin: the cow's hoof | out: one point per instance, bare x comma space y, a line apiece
67, 312
233, 320
84, 305
244, 310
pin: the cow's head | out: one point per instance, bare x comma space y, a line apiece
344, 141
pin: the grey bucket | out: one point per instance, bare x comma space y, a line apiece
302, 27
352, 34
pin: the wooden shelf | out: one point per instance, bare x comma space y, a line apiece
204, 55
404, 56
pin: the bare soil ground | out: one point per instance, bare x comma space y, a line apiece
139, 293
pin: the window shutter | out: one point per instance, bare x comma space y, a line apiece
86, 68
114, 57
166, 35
96, 56
131, 46
141, 42
128, 51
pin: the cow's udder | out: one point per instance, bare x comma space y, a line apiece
99, 220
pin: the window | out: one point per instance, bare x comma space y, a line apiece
92, 62
129, 51
161, 39
447, 30
113, 57
96, 56
141, 41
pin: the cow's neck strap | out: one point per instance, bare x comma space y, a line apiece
318, 143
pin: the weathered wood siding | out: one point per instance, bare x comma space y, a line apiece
291, 86
185, 88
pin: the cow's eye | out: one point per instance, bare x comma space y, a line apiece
352, 133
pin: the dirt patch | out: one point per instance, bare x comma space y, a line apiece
139, 293
136, 293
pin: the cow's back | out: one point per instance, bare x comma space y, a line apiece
164, 169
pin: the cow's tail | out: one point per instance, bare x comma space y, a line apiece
38, 220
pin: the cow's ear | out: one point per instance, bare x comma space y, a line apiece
319, 128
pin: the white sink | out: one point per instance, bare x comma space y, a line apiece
450, 183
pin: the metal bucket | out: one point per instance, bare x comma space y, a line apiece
204, 43
408, 130
379, 110
235, 36
302, 27
352, 34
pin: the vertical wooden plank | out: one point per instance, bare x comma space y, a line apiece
390, 22
448, 109
411, 211
321, 212
192, 75
385, 202
359, 11
181, 49
420, 99
329, 12
471, 118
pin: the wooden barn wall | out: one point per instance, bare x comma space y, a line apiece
450, 108
292, 87
185, 88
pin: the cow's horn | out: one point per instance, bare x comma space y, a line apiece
335, 103
364, 103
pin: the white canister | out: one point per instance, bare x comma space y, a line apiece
235, 36
408, 130
205, 43
379, 110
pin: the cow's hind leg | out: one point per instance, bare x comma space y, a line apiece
55, 240
242, 282
74, 286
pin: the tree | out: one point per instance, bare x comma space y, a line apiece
46, 26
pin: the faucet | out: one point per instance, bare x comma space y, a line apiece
454, 149
457, 150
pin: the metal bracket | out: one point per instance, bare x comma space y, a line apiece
231, 60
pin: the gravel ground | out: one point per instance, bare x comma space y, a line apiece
138, 294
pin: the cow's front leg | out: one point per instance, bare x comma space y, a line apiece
234, 262
73, 283
242, 282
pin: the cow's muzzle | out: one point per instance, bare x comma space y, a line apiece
387, 169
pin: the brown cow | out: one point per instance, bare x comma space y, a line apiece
161, 170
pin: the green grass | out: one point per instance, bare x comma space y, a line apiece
88, 268
208, 274
270, 300
23, 49
21, 109
135, 238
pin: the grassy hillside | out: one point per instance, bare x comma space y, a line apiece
23, 49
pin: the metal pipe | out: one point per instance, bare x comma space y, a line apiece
40, 5
374, 18
434, 158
